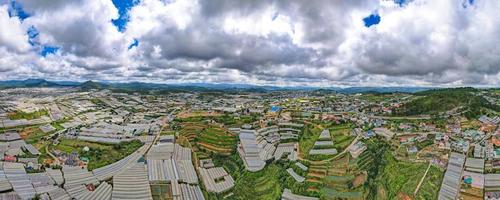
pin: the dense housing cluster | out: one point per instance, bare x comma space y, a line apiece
70, 143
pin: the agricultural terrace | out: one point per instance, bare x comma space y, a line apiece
100, 154
307, 138
204, 137
340, 187
216, 140
290, 183
340, 135
264, 184
324, 176
393, 179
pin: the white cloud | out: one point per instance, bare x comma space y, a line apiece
13, 35
263, 42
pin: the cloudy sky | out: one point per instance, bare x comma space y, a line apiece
287, 42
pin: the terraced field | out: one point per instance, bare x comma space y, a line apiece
191, 129
318, 170
336, 182
339, 166
341, 136
217, 140
329, 193
307, 139
188, 133
372, 161
264, 184
365, 160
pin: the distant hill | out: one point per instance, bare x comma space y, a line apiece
353, 90
143, 87
89, 85
27, 83
442, 100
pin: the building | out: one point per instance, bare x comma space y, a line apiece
216, 179
357, 149
288, 195
451, 181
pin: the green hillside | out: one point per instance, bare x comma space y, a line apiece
466, 100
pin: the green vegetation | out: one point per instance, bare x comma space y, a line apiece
389, 178
264, 184
341, 136
430, 187
167, 132
437, 101
192, 119
400, 178
230, 120
379, 97
29, 116
371, 162
329, 193
32, 134
308, 138
57, 124
232, 164
98, 102
216, 140
206, 138
289, 182
99, 154
426, 143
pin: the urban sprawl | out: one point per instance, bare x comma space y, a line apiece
67, 143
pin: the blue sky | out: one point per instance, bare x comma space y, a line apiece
357, 43
134, 43
372, 19
123, 7
16, 10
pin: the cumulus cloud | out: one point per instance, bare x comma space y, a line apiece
12, 35
318, 42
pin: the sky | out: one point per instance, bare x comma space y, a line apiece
264, 42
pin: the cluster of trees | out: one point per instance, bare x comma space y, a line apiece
434, 102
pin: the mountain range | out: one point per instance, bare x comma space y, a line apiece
142, 86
